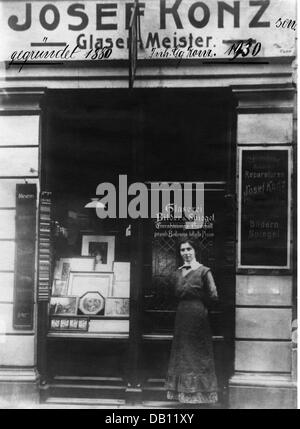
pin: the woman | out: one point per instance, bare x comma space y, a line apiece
98, 261
191, 375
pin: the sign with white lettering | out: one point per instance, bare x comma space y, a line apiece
264, 208
183, 29
25, 256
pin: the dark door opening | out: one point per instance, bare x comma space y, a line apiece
92, 137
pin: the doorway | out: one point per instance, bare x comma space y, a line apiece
157, 135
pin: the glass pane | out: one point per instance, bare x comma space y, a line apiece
160, 301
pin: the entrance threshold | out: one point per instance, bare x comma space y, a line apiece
120, 404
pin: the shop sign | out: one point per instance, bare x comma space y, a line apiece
182, 29
26, 195
264, 208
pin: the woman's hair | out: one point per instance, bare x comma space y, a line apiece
97, 252
193, 243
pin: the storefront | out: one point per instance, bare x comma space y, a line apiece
86, 305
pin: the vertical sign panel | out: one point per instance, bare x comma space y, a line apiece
264, 212
44, 245
26, 195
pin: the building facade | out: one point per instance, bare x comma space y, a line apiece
182, 92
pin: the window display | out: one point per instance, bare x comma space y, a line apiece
89, 288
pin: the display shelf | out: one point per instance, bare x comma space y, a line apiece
158, 337
169, 337
87, 335
82, 325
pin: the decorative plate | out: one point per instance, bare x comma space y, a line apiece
91, 303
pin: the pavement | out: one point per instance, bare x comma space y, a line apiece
81, 403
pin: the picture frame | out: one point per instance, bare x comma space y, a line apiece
64, 305
62, 269
121, 289
81, 282
74, 324
104, 268
99, 246
121, 271
65, 265
83, 263
59, 287
117, 307
91, 304
64, 324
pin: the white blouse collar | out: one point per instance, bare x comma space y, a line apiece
194, 265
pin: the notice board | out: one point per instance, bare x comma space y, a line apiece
26, 195
264, 208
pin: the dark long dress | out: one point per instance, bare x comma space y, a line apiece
191, 374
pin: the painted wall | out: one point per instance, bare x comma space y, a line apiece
19, 161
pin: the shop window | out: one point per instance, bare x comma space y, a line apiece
90, 278
101, 138
90, 288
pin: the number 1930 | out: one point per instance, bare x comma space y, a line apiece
244, 48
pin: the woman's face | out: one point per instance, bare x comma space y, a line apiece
98, 258
187, 252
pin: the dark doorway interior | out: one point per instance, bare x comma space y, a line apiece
173, 134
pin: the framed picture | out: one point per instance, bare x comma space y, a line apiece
122, 271
121, 289
64, 305
55, 323
82, 264
69, 324
117, 307
59, 287
100, 247
81, 282
65, 265
91, 303
62, 269
64, 324
105, 268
